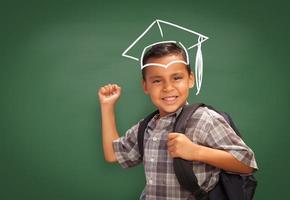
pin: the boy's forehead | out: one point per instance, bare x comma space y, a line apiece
176, 68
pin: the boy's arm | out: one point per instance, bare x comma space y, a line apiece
181, 146
222, 159
108, 96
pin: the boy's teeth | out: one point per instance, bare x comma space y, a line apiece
169, 98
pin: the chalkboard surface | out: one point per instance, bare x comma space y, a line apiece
54, 56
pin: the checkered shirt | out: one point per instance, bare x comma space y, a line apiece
205, 127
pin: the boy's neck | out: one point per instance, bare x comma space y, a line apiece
177, 111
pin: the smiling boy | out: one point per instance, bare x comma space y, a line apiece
209, 142
168, 88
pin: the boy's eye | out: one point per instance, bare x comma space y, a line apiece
177, 77
156, 81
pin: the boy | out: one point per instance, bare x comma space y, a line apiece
209, 142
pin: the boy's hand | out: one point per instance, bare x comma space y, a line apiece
109, 94
181, 146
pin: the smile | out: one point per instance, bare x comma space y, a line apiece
170, 99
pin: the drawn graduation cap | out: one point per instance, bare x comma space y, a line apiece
194, 39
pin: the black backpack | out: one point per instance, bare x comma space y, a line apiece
229, 187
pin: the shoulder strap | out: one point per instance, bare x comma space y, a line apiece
183, 168
141, 131
181, 120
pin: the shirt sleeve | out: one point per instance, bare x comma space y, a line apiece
126, 148
218, 134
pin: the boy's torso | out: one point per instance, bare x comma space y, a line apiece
158, 165
205, 127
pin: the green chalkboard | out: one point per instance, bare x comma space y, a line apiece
54, 55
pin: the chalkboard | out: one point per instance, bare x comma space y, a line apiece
54, 56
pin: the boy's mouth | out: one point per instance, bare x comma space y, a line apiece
169, 99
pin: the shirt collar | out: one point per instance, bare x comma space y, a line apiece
152, 122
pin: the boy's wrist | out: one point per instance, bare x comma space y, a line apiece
197, 154
107, 107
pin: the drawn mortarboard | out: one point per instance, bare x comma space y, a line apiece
161, 31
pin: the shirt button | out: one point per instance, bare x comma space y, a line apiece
152, 159
154, 139
150, 181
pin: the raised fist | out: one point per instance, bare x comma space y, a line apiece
109, 94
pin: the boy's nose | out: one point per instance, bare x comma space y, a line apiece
167, 87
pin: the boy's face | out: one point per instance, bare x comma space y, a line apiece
168, 87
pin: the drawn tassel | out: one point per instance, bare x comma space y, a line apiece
198, 67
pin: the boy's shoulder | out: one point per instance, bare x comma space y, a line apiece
207, 119
205, 113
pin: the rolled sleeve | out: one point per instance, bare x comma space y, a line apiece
126, 148
220, 135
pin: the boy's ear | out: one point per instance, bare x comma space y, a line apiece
143, 82
191, 80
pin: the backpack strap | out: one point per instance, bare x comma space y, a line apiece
183, 168
141, 131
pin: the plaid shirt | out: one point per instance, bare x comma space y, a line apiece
205, 127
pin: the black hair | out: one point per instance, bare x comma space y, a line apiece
163, 49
